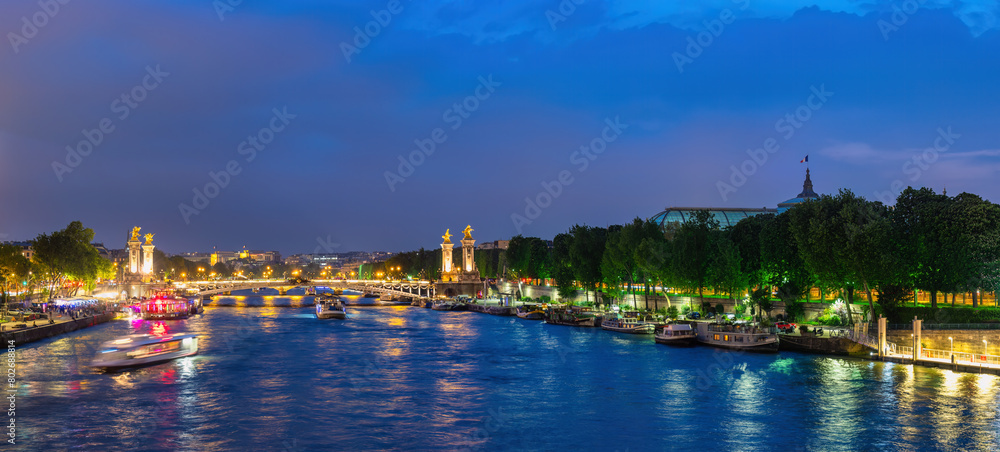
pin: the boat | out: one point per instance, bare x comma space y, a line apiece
676, 334
738, 337
331, 309
530, 312
628, 323
572, 317
444, 305
323, 298
386, 297
168, 307
144, 349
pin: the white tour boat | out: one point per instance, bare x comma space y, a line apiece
629, 323
328, 309
144, 349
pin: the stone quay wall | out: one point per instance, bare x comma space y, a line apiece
31, 334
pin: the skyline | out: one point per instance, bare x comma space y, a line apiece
304, 118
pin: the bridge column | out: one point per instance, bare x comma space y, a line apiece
917, 328
881, 336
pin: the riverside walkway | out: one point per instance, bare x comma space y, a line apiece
944, 359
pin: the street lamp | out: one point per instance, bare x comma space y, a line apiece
952, 354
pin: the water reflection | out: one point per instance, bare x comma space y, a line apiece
415, 379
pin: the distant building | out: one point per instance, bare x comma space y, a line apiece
494, 245
223, 257
27, 248
729, 216
807, 194
196, 257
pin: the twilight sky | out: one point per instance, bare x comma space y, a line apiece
675, 105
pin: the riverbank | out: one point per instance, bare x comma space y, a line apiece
44, 330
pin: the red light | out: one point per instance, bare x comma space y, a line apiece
159, 329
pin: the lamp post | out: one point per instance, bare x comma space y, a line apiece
986, 350
952, 353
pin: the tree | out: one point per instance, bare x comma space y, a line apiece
586, 254
692, 248
781, 261
68, 254
724, 264
562, 268
920, 217
620, 262
14, 270
746, 236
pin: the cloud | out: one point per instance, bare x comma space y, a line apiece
516, 17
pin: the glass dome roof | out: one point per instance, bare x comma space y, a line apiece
725, 216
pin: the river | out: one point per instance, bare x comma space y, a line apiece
275, 378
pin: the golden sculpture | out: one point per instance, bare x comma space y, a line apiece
468, 232
149, 239
447, 236
135, 234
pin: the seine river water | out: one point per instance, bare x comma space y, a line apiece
404, 378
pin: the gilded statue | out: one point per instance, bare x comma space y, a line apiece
447, 236
135, 234
468, 232
149, 239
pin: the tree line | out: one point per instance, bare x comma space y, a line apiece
839, 243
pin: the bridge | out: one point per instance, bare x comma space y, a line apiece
400, 289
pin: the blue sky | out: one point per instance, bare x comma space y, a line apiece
899, 76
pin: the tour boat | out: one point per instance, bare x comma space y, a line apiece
331, 309
143, 349
572, 317
739, 337
629, 323
530, 312
168, 307
676, 334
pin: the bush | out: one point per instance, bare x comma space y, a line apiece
545, 299
720, 308
794, 310
685, 309
803, 329
672, 312
739, 310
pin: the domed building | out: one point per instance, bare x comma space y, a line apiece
729, 216
807, 194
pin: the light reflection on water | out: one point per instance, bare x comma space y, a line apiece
402, 378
